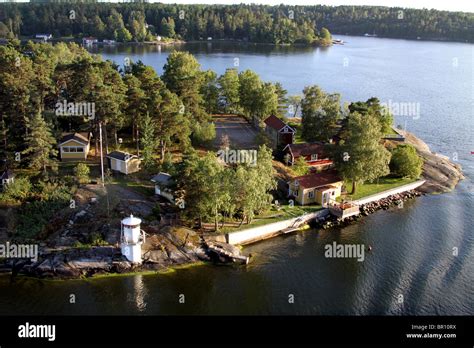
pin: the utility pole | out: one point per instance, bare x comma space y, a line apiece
101, 155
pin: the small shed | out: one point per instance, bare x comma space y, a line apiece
74, 146
279, 132
123, 162
164, 185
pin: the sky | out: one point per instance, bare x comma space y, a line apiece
448, 5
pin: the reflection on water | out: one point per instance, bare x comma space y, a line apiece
139, 293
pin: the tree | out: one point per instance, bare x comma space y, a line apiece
361, 157
320, 112
229, 90
148, 141
135, 104
405, 162
281, 93
325, 37
300, 167
183, 76
249, 86
167, 27
373, 107
40, 144
210, 92
81, 172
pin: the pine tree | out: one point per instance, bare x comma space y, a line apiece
40, 144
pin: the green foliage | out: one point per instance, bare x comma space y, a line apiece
300, 167
361, 157
18, 190
229, 90
405, 162
373, 107
148, 141
40, 144
213, 190
32, 218
204, 133
256, 23
320, 112
81, 172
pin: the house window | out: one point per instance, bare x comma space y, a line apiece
333, 193
296, 193
314, 157
72, 149
311, 194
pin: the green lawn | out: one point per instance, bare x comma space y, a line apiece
273, 215
368, 189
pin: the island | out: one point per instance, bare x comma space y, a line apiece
110, 170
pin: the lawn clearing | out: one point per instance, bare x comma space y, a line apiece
368, 189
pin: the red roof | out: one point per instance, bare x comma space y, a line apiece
318, 179
275, 123
307, 149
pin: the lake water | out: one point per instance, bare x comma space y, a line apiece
412, 252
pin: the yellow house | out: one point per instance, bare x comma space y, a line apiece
74, 146
123, 162
316, 188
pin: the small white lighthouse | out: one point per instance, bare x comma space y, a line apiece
132, 239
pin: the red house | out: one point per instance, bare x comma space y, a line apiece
279, 132
315, 154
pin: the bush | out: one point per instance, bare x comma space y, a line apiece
204, 133
405, 162
301, 167
82, 173
18, 190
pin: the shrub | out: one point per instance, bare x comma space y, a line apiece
405, 162
18, 190
204, 133
82, 173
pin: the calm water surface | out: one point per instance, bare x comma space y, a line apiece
412, 247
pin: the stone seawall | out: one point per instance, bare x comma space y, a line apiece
255, 234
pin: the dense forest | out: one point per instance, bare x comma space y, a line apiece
254, 23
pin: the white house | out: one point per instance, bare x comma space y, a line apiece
163, 185
44, 37
123, 162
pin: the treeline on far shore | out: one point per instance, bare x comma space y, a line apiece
282, 24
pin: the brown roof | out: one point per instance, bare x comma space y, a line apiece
306, 149
79, 137
275, 123
318, 179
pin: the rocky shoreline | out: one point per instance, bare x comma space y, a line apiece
441, 174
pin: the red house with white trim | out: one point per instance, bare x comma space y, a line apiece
279, 132
315, 154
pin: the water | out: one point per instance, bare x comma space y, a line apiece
412, 247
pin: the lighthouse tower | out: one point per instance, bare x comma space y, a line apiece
132, 239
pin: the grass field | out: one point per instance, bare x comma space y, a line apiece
367, 189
